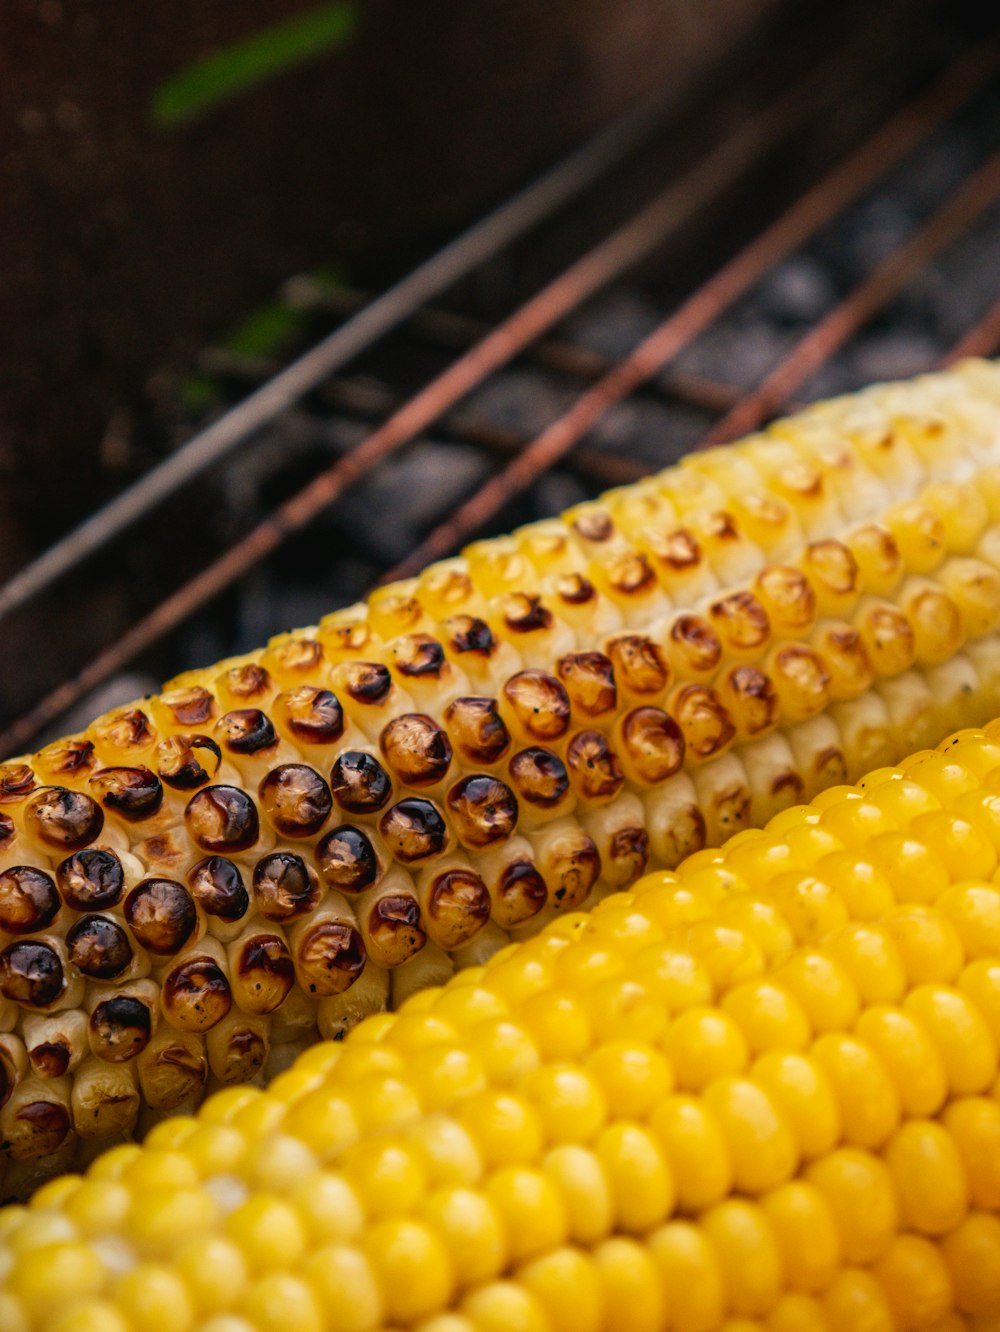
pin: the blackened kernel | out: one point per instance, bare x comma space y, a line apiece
99, 947
346, 859
484, 810
189, 707
217, 887
49, 1122
196, 995
222, 818
72, 755
31, 973
296, 799
522, 891
314, 716
186, 762
367, 682
704, 721
414, 830
678, 549
265, 969
28, 900
539, 777
574, 589
741, 619
48, 1058
134, 793
467, 633
120, 1028
8, 831
246, 731
631, 573
161, 914
418, 655
594, 766
655, 743
523, 614
589, 680
629, 851
91, 880
64, 819
285, 887
477, 729
416, 748
394, 926
697, 641
330, 957
247, 682
359, 783
125, 730
540, 703
639, 664
16, 781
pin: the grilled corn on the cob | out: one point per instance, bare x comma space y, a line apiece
280, 844
760, 1092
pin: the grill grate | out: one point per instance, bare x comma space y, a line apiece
573, 386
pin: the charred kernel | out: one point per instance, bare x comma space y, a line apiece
99, 947
218, 888
313, 716
72, 755
467, 633
125, 730
539, 777
628, 854
630, 573
246, 731
787, 597
91, 880
264, 966
416, 749
678, 549
49, 1058
28, 899
330, 957
222, 818
654, 743
696, 642
16, 781
394, 925
161, 914
477, 729
594, 525
459, 904
523, 613
367, 681
31, 973
832, 566
589, 680
189, 707
296, 799
285, 887
706, 725
359, 782
540, 703
639, 665
594, 767
573, 866
346, 859
741, 621
186, 762
574, 589
247, 682
418, 655
297, 655
484, 810
134, 793
196, 995
414, 830
522, 891
64, 819
48, 1123
8, 830
750, 698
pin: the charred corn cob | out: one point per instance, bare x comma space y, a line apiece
759, 1092
199, 883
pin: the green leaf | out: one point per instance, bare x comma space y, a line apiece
251, 61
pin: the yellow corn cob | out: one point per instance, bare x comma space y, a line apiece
198, 884
760, 1092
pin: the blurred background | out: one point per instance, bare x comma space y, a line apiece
293, 294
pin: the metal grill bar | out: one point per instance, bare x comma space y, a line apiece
982, 339
818, 205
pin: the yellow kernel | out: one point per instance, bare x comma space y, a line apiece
80, 1316
344, 1280
161, 1217
570, 1103
411, 1266
159, 1170
324, 1120
859, 1191
268, 1231
223, 1107
856, 821
279, 1301
624, 1010
323, 1057
56, 1193
676, 979
388, 1175
381, 1101
153, 1298
637, 1173
634, 1077
37, 1228
215, 1149
913, 1060
278, 1163
327, 1206
448, 1151
974, 911
916, 1281
443, 1074
796, 1313
798, 1085
853, 1300
213, 1270
768, 1015
463, 1006
872, 960
811, 906
566, 1284
531, 1209
12, 1316
927, 1170
899, 797
580, 1181
470, 1229
506, 1128
748, 1255
974, 1125
762, 1146
761, 921
113, 1163
504, 1306
634, 1298
171, 1134
966, 852
823, 988
728, 955
972, 1253
506, 1050
958, 1029
690, 1275
260, 1117
911, 868
50, 1275
980, 982
863, 887
514, 976
867, 1096
696, 1149
928, 944
558, 1024
98, 1206
703, 1044
294, 1083
806, 1233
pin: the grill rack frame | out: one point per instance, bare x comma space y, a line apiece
526, 333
